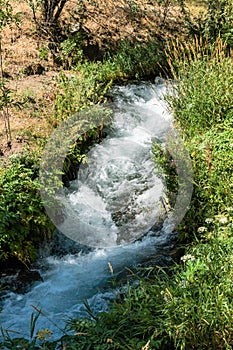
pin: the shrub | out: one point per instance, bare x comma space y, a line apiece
215, 21
89, 82
23, 222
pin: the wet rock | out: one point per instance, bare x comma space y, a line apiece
26, 278
16, 277
61, 245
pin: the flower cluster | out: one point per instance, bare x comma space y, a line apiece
222, 219
187, 257
209, 220
201, 229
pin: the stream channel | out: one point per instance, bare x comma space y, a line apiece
119, 193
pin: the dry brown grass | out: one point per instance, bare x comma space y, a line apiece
106, 22
179, 52
20, 50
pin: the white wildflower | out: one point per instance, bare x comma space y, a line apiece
223, 220
229, 209
187, 257
209, 220
201, 229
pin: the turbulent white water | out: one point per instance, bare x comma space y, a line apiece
118, 198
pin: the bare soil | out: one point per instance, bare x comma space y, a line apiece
33, 78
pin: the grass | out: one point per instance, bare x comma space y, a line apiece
203, 111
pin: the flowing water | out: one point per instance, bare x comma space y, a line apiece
119, 197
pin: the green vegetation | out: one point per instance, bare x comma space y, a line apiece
191, 307
23, 221
213, 21
88, 82
203, 110
188, 306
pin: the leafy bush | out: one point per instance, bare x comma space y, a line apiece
219, 20
23, 222
84, 87
137, 60
215, 21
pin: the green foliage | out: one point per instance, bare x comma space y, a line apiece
219, 20
72, 51
6, 14
137, 60
7, 98
89, 82
43, 53
216, 21
191, 306
166, 169
133, 7
212, 155
23, 222
202, 105
80, 90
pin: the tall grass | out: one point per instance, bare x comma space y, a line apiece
203, 110
204, 94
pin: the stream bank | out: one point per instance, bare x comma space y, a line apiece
119, 167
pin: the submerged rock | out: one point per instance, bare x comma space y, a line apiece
26, 278
17, 278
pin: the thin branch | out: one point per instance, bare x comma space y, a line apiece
5, 108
